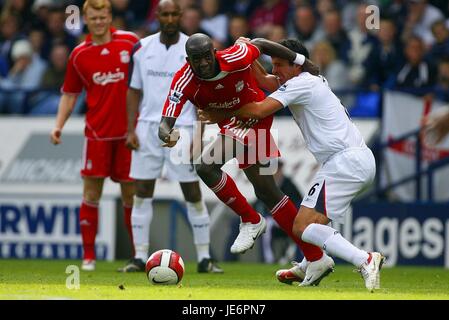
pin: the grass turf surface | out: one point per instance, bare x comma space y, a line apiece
46, 279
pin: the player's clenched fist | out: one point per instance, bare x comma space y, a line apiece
55, 136
132, 141
172, 138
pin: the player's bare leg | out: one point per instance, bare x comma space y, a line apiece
312, 227
200, 222
141, 217
92, 190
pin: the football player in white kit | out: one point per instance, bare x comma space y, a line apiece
347, 164
155, 60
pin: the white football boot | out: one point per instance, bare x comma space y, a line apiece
370, 270
88, 265
294, 274
249, 232
317, 270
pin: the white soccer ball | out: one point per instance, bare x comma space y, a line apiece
165, 267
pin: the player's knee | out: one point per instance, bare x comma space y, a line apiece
203, 170
144, 189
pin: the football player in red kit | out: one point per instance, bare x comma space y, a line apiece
100, 66
222, 80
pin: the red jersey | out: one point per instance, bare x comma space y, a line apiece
103, 71
228, 91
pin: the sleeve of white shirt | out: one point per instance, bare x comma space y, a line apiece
136, 77
295, 91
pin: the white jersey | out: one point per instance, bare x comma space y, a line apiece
323, 120
154, 67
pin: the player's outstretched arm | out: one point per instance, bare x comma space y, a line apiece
65, 108
253, 110
167, 133
274, 49
133, 97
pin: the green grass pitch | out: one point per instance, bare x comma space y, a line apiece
45, 279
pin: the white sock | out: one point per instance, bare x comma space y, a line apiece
141, 217
199, 220
333, 243
303, 264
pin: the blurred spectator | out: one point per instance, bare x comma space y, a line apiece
416, 76
363, 48
119, 22
40, 10
421, 16
270, 13
10, 33
238, 27
441, 46
305, 27
56, 32
214, 23
335, 34
36, 38
191, 21
19, 8
26, 73
243, 8
442, 87
335, 72
324, 6
390, 56
398, 10
53, 78
122, 15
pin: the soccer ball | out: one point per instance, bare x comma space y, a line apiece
164, 267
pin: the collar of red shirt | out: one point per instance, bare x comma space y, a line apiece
112, 30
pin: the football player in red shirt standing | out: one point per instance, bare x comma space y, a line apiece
100, 66
222, 80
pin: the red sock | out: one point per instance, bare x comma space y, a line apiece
88, 227
284, 214
226, 190
127, 217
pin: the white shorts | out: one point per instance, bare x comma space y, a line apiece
148, 161
339, 180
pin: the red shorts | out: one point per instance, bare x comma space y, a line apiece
106, 158
260, 144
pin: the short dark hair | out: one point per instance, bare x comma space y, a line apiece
296, 46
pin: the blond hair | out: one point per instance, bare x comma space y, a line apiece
97, 5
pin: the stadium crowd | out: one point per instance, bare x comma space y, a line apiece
408, 50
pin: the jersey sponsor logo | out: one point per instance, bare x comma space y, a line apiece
124, 56
104, 78
239, 86
225, 105
283, 88
175, 96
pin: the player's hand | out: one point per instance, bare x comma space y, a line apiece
243, 39
132, 141
55, 136
172, 138
210, 117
